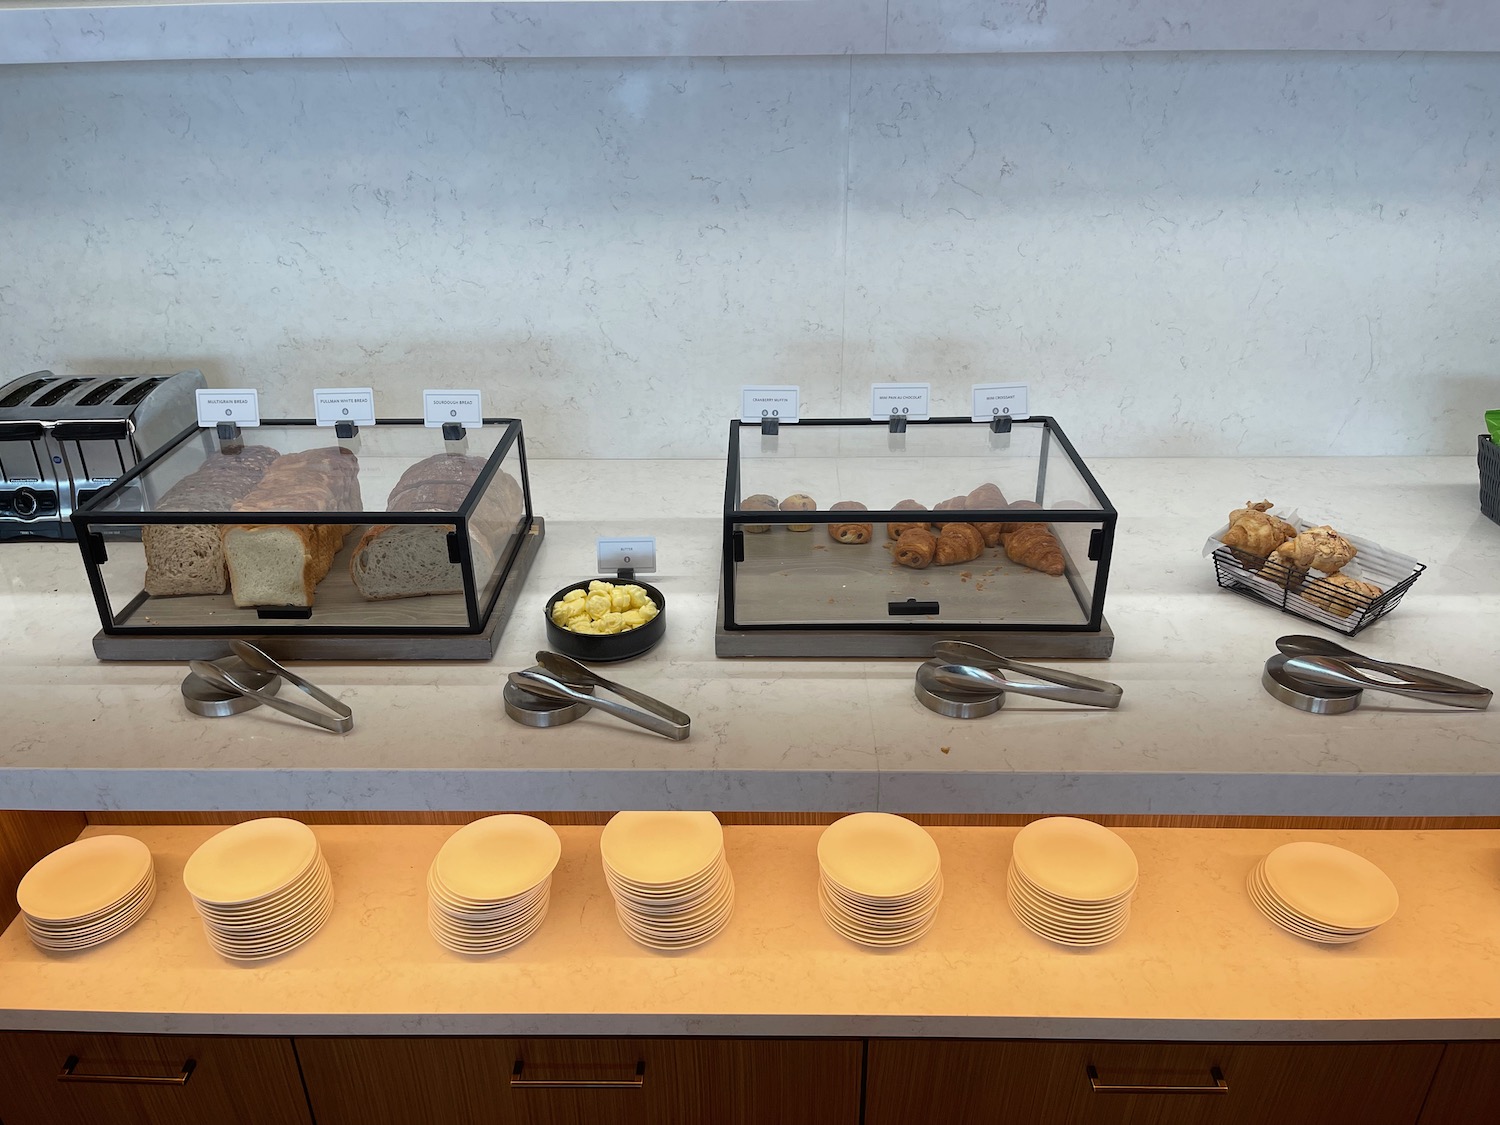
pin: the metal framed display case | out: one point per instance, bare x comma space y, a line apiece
394, 542
802, 583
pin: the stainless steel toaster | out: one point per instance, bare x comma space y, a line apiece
62, 439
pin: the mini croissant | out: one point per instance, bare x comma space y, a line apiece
1254, 531
1034, 546
958, 543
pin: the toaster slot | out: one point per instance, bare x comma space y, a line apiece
23, 392
102, 391
55, 394
139, 392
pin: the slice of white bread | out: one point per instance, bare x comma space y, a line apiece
189, 558
282, 564
411, 560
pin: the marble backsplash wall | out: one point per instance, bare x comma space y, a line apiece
1182, 254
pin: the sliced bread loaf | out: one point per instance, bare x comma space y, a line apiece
189, 558
282, 564
411, 560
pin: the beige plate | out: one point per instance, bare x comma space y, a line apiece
665, 891
497, 857
250, 861
1277, 912
273, 947
878, 855
874, 939
84, 878
1331, 886
1064, 913
1075, 859
661, 848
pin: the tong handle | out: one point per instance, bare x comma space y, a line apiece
1044, 683
669, 722
655, 706
259, 658
338, 724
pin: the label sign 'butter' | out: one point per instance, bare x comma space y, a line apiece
240, 405
900, 400
757, 404
332, 405
441, 407
637, 554
997, 400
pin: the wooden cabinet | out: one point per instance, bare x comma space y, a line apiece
582, 1081
148, 1080
914, 1082
1467, 1087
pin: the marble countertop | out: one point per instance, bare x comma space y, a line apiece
1197, 960
1195, 734
34, 31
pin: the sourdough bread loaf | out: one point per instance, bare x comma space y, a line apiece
189, 558
412, 560
282, 564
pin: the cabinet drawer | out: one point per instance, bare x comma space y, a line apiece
147, 1080
1467, 1086
582, 1081
1000, 1083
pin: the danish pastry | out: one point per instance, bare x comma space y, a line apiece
896, 530
1317, 548
916, 547
850, 532
1341, 595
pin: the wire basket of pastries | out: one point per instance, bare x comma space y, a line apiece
1307, 569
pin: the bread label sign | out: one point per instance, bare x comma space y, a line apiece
758, 404
900, 400
332, 405
999, 400
240, 406
441, 407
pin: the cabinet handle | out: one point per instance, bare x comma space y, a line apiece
517, 1082
70, 1073
1220, 1085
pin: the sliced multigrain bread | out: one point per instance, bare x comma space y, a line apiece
189, 558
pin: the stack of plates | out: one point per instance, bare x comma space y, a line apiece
261, 887
881, 879
1071, 881
1322, 893
488, 888
87, 892
668, 875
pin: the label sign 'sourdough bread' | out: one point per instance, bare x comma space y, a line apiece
409, 560
189, 558
282, 564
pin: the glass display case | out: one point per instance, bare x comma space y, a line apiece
860, 538
287, 531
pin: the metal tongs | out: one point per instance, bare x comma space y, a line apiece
564, 676
1315, 660
340, 721
964, 667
